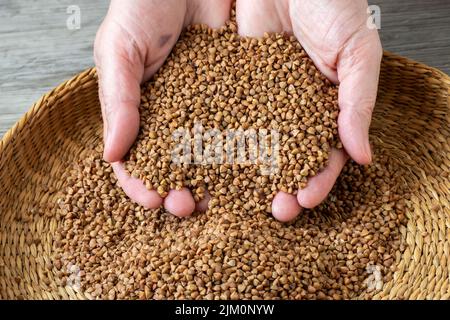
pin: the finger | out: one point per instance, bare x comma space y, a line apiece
180, 202
120, 70
135, 188
358, 69
285, 207
320, 185
202, 205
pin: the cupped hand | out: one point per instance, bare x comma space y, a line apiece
335, 34
131, 45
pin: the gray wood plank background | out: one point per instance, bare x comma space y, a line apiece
38, 51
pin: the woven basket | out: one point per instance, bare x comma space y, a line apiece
412, 119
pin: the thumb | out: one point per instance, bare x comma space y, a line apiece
120, 71
358, 69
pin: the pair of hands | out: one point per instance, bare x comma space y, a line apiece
137, 36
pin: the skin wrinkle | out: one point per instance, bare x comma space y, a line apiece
129, 35
330, 52
121, 84
326, 66
350, 56
153, 55
131, 52
348, 45
132, 49
339, 23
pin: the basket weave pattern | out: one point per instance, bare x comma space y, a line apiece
411, 120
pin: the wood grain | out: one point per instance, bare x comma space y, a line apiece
38, 51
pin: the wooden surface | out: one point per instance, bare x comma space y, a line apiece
38, 51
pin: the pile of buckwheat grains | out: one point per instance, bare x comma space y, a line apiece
235, 250
221, 81
124, 251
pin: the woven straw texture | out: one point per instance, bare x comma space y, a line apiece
411, 120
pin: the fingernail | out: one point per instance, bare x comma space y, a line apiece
369, 151
106, 142
108, 130
366, 144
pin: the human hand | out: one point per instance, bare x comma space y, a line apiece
131, 45
335, 35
